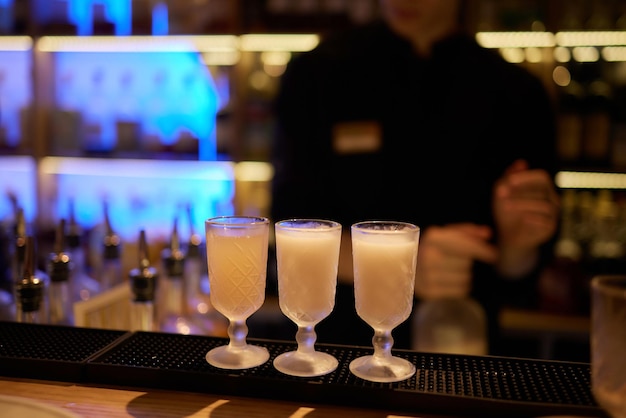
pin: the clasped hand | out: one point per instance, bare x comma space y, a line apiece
526, 212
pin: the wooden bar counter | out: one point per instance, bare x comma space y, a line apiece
111, 402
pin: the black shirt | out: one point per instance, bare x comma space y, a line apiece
367, 129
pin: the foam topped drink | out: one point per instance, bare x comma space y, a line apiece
307, 258
384, 256
307, 255
384, 277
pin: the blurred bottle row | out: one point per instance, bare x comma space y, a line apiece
592, 116
114, 111
116, 102
159, 17
68, 280
591, 241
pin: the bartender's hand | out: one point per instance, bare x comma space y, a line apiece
526, 209
446, 256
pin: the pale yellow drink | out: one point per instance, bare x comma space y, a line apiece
384, 277
307, 259
237, 263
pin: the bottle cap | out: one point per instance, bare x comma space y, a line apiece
59, 262
143, 279
193, 246
73, 237
30, 288
173, 257
111, 239
30, 293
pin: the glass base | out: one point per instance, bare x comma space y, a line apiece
295, 363
227, 357
385, 370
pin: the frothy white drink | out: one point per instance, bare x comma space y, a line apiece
307, 259
384, 277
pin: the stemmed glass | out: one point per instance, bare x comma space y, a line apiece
307, 254
384, 254
237, 248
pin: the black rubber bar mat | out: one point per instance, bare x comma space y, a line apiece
485, 386
50, 352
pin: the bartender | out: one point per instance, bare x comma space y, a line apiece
408, 118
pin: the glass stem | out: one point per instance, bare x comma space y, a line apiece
382, 342
237, 332
306, 337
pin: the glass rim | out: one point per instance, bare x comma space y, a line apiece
409, 226
291, 224
237, 220
612, 284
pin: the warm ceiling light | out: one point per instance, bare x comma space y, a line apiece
588, 180
515, 39
207, 43
591, 38
279, 42
15, 43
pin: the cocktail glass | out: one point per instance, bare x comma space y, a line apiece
307, 255
384, 255
608, 343
237, 248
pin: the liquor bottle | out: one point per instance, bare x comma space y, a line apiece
618, 141
570, 124
454, 326
19, 245
561, 284
143, 281
20, 259
58, 22
4, 113
127, 116
98, 123
597, 124
567, 245
59, 267
199, 308
585, 222
111, 268
7, 302
606, 251
6, 18
172, 298
66, 118
83, 285
194, 267
31, 290
101, 26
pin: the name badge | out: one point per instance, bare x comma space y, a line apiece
357, 137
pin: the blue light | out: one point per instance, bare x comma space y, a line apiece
142, 194
80, 13
160, 19
15, 92
120, 13
18, 178
174, 91
6, 16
